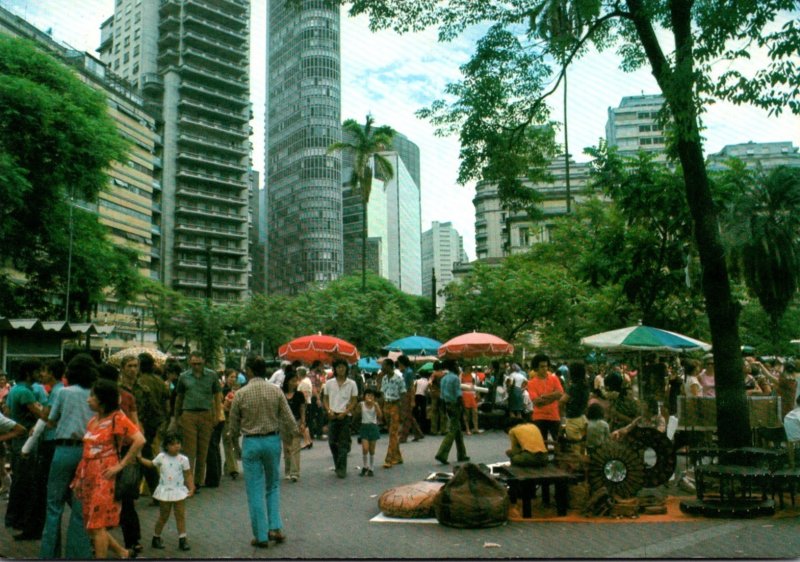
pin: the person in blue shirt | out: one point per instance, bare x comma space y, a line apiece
450, 388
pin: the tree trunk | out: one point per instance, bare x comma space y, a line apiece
364, 246
677, 85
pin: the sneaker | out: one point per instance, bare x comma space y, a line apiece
363, 471
183, 544
157, 543
369, 472
293, 478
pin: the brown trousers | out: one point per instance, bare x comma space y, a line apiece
391, 412
196, 429
408, 421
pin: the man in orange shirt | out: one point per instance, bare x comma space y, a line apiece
544, 389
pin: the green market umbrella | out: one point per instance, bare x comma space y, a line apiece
644, 338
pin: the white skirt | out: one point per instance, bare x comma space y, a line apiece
170, 493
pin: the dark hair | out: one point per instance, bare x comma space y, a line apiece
369, 390
291, 373
613, 381
108, 372
196, 354
28, 368
107, 395
577, 373
336, 363
82, 370
57, 368
595, 411
257, 365
172, 366
404, 360
450, 365
316, 364
538, 358
169, 438
388, 361
437, 365
512, 422
146, 363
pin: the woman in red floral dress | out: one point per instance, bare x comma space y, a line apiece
95, 476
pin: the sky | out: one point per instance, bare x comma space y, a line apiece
392, 76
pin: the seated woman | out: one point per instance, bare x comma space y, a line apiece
527, 444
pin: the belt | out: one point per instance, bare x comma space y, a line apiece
261, 434
68, 442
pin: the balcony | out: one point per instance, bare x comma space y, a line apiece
152, 82
215, 266
216, 179
211, 196
209, 44
204, 58
220, 32
214, 111
216, 79
191, 210
205, 229
204, 160
228, 100
212, 12
231, 148
213, 127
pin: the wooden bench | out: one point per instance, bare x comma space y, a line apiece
728, 475
522, 483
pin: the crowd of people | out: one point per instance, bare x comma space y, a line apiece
73, 430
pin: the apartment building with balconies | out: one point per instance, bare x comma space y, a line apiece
191, 60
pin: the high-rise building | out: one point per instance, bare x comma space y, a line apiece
634, 126
442, 246
768, 155
500, 232
190, 59
352, 216
303, 181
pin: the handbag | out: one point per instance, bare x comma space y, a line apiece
126, 486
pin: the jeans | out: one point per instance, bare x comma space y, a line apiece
453, 433
261, 462
65, 461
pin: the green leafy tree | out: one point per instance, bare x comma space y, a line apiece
268, 321
56, 144
166, 308
368, 143
697, 35
205, 325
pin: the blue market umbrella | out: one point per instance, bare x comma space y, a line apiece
415, 345
369, 364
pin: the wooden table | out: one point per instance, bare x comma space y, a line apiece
522, 483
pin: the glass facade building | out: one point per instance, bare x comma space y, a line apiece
303, 181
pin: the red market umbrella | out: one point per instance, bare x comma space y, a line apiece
475, 344
318, 347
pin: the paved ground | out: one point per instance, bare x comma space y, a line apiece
326, 518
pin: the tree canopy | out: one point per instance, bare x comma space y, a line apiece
681, 41
56, 145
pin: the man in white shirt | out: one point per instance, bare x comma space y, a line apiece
278, 376
341, 397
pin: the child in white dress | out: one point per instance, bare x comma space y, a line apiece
174, 486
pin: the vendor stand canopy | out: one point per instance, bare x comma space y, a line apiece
475, 344
159, 357
318, 347
369, 364
414, 345
644, 338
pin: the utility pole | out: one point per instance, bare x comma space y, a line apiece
208, 273
433, 292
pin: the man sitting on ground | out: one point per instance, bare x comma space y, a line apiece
527, 444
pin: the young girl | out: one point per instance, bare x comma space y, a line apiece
597, 430
370, 431
174, 486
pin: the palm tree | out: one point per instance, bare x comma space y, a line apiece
765, 233
367, 144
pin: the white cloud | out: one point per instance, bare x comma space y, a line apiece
393, 76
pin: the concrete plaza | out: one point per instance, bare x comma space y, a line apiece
327, 518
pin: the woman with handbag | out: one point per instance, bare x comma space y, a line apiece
95, 478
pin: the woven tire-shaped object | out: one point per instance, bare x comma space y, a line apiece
413, 501
617, 468
642, 438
